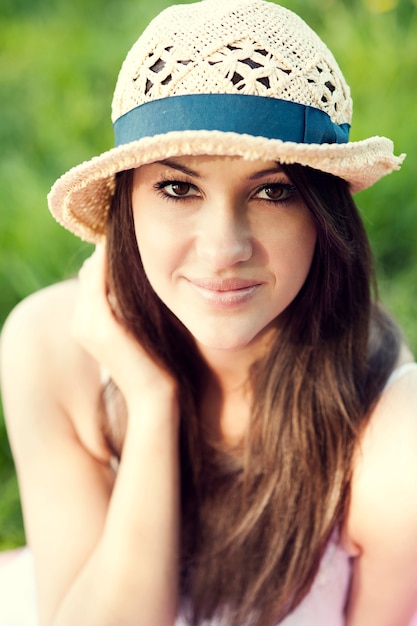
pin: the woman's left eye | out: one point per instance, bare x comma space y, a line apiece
277, 192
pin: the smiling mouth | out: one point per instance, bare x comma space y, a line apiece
225, 292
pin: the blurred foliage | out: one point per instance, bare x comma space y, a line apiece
58, 63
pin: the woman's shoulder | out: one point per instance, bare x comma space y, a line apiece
38, 330
381, 525
43, 366
384, 485
50, 308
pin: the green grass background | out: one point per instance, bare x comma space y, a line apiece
58, 64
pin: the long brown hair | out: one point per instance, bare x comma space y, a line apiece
254, 529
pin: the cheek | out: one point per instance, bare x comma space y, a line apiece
159, 249
291, 257
305, 249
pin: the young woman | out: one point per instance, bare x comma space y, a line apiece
216, 424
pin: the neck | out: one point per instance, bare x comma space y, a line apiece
230, 368
227, 399
225, 410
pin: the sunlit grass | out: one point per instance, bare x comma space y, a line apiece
381, 6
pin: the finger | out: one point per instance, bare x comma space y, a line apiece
100, 255
93, 271
99, 261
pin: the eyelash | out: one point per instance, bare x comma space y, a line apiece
161, 186
287, 188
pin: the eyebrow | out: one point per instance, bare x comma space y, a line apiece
190, 172
180, 168
267, 172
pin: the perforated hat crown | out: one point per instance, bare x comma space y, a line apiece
246, 47
227, 77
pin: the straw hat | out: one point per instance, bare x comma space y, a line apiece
224, 77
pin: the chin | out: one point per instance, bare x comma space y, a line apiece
227, 341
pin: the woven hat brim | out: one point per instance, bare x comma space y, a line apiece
80, 199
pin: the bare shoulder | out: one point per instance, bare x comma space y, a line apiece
385, 470
36, 335
50, 308
41, 319
381, 526
40, 360
50, 390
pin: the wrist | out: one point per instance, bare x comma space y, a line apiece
158, 403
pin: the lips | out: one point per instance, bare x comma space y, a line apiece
225, 292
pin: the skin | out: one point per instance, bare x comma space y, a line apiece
106, 549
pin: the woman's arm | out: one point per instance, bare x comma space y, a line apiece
382, 521
106, 549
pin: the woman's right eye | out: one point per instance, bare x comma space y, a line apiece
177, 189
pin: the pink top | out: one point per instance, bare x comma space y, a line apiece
324, 603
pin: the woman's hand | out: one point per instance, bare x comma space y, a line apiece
98, 331
143, 511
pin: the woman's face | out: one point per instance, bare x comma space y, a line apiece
226, 244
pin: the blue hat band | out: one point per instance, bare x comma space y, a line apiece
252, 115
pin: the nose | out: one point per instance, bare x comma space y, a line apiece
224, 237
